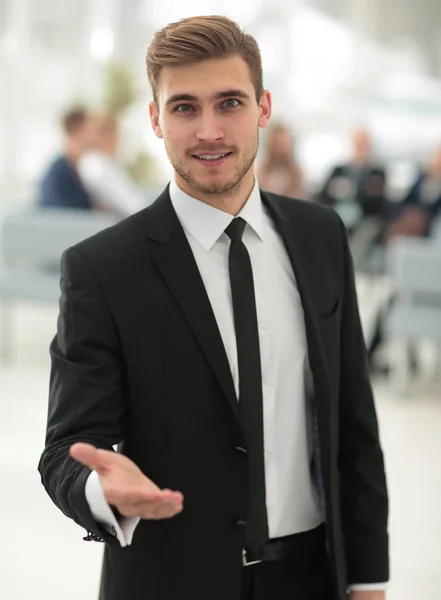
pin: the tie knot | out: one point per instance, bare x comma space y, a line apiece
235, 229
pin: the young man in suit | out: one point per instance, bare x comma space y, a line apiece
214, 337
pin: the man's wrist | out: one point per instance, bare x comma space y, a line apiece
367, 595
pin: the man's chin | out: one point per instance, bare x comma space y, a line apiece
216, 190
211, 188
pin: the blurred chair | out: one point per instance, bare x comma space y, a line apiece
31, 244
414, 266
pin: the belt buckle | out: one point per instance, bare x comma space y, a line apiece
245, 563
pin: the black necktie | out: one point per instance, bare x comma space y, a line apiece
250, 381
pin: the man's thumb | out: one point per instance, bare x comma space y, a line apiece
88, 455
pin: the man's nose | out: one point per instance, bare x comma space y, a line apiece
209, 129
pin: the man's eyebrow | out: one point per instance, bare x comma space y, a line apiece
180, 97
229, 93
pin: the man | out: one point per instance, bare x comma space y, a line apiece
360, 181
106, 181
280, 172
215, 338
61, 185
421, 204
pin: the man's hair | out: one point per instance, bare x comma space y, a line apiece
73, 119
200, 38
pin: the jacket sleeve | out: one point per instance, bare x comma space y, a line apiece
86, 391
364, 499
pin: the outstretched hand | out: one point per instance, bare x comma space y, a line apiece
126, 487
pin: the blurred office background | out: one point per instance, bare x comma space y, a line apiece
357, 98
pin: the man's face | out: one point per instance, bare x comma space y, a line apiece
209, 118
281, 146
362, 145
106, 137
84, 135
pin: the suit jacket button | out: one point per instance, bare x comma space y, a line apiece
241, 449
241, 523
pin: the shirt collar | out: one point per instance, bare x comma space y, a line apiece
206, 223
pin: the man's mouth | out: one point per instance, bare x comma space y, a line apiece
212, 160
211, 157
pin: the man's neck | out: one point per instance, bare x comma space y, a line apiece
73, 152
110, 152
231, 202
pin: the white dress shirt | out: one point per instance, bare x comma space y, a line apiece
292, 503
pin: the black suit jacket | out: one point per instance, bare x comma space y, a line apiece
138, 361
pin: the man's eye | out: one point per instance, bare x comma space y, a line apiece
184, 108
231, 103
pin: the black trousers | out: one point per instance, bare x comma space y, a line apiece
302, 576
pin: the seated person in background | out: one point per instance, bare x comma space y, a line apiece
279, 172
422, 203
106, 181
360, 181
61, 185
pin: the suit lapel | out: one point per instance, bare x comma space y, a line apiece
175, 261
300, 247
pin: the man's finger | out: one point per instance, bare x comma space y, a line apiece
142, 503
139, 497
88, 455
174, 495
158, 499
150, 512
161, 513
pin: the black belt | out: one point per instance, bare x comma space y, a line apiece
279, 549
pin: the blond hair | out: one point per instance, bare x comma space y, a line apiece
196, 39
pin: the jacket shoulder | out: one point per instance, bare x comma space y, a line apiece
307, 210
117, 241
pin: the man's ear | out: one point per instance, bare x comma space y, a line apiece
154, 119
265, 109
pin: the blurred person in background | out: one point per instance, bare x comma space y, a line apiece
214, 337
61, 185
422, 203
415, 215
279, 172
106, 181
361, 181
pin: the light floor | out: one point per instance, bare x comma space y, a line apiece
42, 555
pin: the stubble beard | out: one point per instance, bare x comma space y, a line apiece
229, 187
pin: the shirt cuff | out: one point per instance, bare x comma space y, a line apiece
368, 587
124, 528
